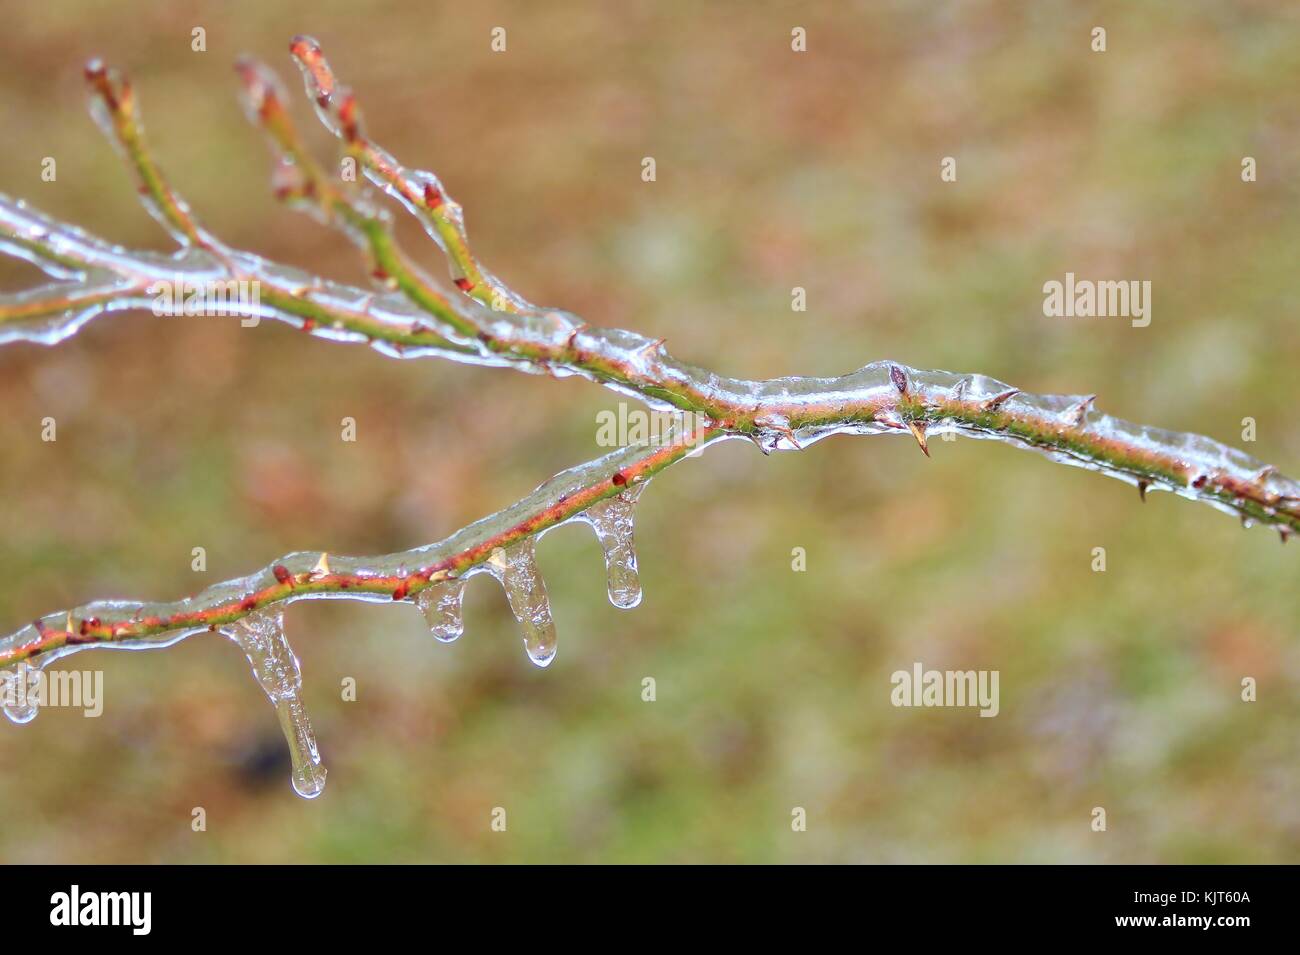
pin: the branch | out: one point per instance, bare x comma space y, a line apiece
411, 316
580, 493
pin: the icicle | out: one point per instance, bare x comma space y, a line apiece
20, 691
261, 636
516, 568
441, 606
612, 520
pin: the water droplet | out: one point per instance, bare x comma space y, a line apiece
441, 606
308, 777
612, 520
261, 636
516, 569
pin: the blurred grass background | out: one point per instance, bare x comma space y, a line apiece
775, 170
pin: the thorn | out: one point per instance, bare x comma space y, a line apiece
464, 284
784, 429
282, 574
1076, 414
1283, 532
68, 626
1142, 490
573, 335
958, 391
899, 378
1265, 473
648, 348
432, 197
758, 442
918, 432
996, 402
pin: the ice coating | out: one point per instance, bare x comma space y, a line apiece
442, 607
261, 636
516, 569
612, 520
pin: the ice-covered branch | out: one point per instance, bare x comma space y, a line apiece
409, 316
592, 492
601, 493
421, 192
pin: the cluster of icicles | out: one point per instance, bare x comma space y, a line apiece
515, 568
261, 633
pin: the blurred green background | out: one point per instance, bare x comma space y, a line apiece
775, 169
